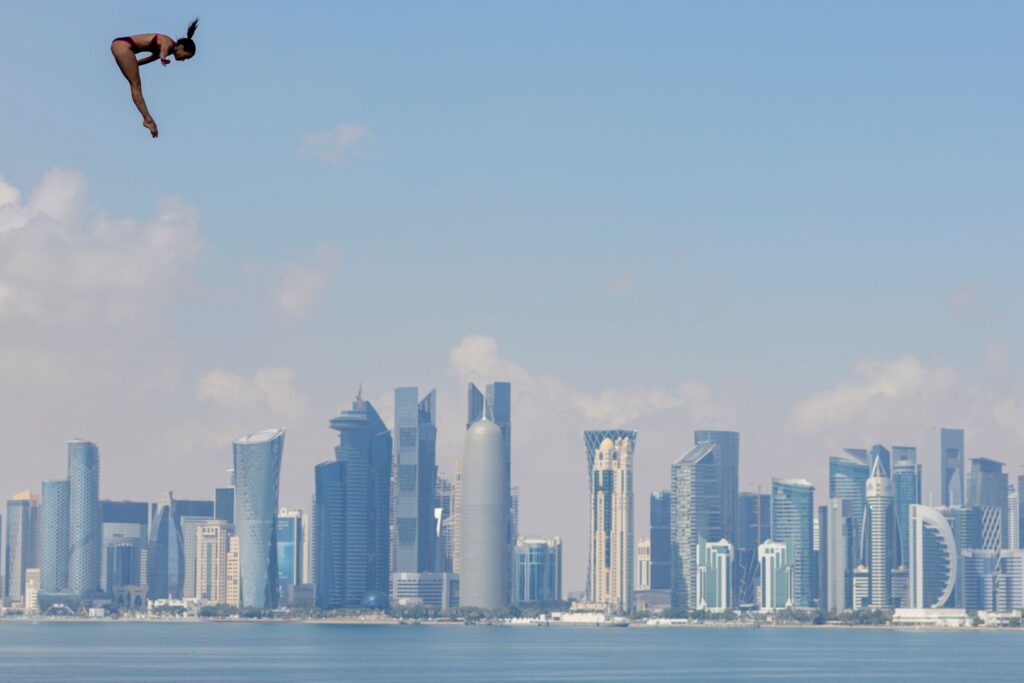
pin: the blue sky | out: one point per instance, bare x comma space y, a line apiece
798, 220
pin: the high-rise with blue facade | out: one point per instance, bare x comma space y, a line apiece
906, 480
950, 446
352, 512
85, 542
53, 536
988, 487
224, 504
753, 525
257, 460
793, 525
538, 570
661, 540
847, 478
416, 472
20, 553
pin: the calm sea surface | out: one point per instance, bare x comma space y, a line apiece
58, 651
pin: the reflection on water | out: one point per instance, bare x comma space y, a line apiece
49, 651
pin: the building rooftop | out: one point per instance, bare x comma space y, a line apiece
260, 437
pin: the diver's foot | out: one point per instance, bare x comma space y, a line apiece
151, 127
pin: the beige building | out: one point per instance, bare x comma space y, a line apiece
32, 591
233, 579
643, 564
211, 569
610, 576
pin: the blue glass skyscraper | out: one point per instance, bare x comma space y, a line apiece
257, 460
353, 516
753, 526
661, 540
847, 479
86, 540
18, 555
415, 443
950, 448
53, 536
793, 524
906, 479
727, 452
988, 487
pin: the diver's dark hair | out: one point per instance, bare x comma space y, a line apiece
187, 41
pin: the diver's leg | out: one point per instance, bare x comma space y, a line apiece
129, 65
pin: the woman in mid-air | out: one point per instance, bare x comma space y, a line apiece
160, 47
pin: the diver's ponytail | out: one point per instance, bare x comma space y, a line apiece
187, 41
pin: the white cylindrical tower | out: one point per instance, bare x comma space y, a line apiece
484, 519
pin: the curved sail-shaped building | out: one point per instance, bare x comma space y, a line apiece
257, 460
933, 558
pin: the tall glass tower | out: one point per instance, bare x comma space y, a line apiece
328, 547
415, 444
86, 538
661, 540
906, 479
364, 453
257, 459
753, 525
847, 477
610, 480
53, 536
19, 548
793, 525
951, 464
988, 487
727, 455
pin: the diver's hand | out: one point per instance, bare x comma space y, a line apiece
165, 61
150, 125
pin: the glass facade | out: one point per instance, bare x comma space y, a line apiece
53, 536
793, 525
85, 541
753, 525
951, 465
289, 548
727, 457
714, 575
847, 478
257, 460
328, 549
696, 516
17, 557
416, 435
224, 504
661, 541
538, 570
988, 487
906, 479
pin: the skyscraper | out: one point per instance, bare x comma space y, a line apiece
289, 547
1013, 518
950, 446
212, 541
838, 593
906, 480
416, 432
485, 519
167, 565
643, 564
497, 402
988, 486
777, 580
189, 525
727, 456
224, 504
752, 527
714, 575
847, 477
610, 476
538, 570
53, 536
22, 535
329, 533
257, 459
353, 512
85, 540
933, 558
661, 541
125, 525
792, 524
880, 496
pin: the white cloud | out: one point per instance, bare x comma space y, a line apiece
63, 263
303, 280
877, 382
334, 144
